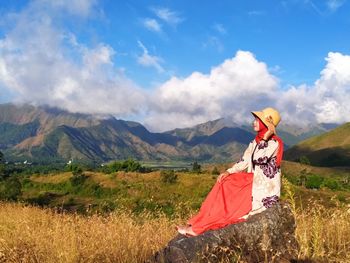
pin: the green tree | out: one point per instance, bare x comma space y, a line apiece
215, 171
75, 169
196, 167
11, 188
129, 165
304, 160
78, 177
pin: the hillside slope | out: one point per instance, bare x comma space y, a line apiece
328, 149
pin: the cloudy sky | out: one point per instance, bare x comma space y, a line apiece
178, 63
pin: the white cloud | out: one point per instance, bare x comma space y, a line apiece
152, 25
238, 83
149, 61
167, 15
334, 89
44, 64
325, 101
243, 84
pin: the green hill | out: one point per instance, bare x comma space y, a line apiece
328, 149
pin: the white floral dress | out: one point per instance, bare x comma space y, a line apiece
260, 159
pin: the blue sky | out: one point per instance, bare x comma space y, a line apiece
168, 58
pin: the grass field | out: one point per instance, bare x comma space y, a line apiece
126, 217
138, 192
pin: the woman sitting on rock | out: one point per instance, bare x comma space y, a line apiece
237, 194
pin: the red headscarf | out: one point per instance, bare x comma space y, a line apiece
260, 135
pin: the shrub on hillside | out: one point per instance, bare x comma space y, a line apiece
168, 176
215, 171
129, 165
314, 181
77, 179
304, 160
144, 169
75, 169
10, 189
5, 170
293, 179
331, 184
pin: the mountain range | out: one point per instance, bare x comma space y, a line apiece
46, 134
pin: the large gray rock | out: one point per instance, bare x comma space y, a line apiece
265, 237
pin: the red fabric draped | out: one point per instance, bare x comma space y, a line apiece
280, 150
225, 204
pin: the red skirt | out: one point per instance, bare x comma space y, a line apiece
225, 204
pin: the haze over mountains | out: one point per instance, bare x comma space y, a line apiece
46, 134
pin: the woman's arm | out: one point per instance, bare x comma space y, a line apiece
242, 164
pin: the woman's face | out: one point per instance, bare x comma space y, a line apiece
256, 125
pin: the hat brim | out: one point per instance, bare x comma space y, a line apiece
261, 116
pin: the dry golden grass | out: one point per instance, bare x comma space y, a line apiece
104, 180
29, 234
52, 178
323, 233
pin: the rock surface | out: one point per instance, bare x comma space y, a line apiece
265, 237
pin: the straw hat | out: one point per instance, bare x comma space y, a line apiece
266, 113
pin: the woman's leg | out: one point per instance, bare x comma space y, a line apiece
225, 204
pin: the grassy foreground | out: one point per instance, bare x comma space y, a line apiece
31, 234
145, 212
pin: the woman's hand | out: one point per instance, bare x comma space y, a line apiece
271, 129
222, 176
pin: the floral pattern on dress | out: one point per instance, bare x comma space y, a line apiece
262, 145
269, 201
261, 161
269, 167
